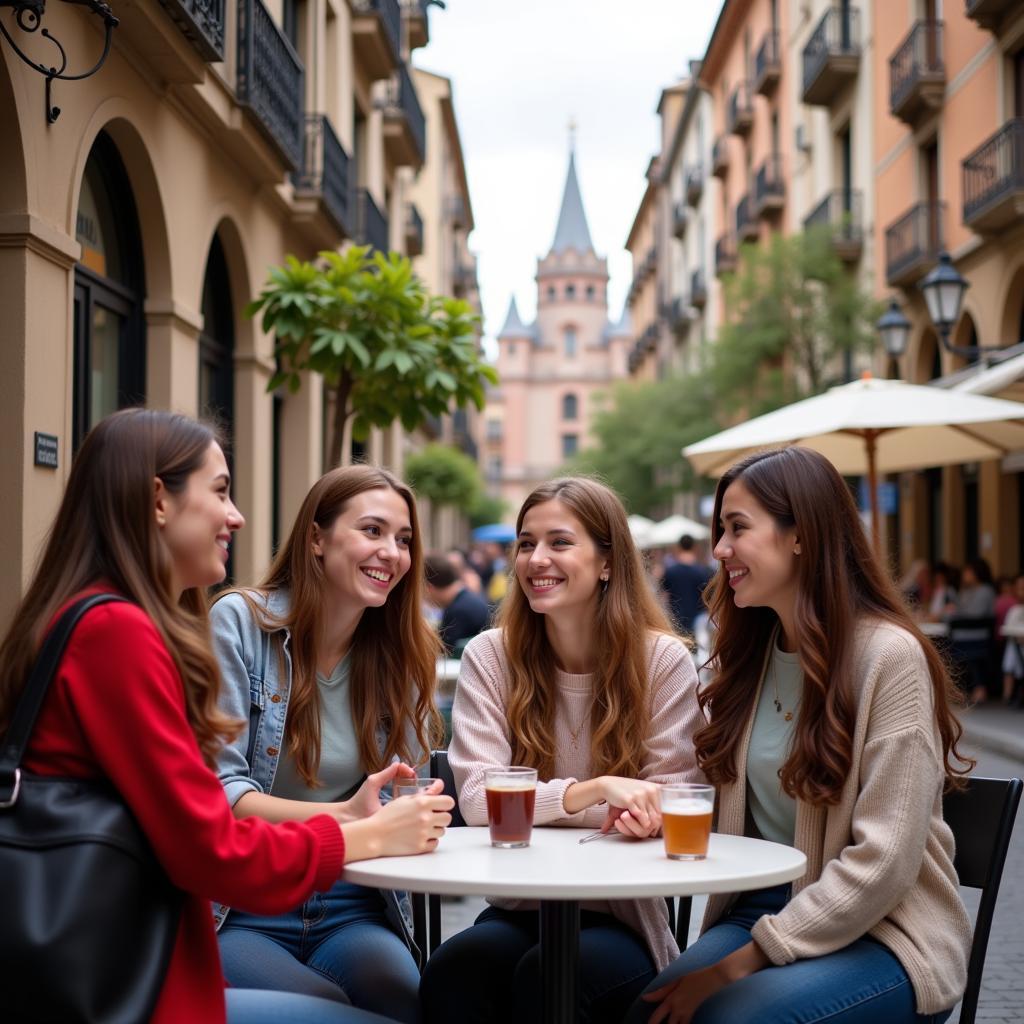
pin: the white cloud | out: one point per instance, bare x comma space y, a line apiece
520, 69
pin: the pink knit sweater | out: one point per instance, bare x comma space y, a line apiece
480, 740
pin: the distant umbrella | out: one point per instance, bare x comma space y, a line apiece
497, 533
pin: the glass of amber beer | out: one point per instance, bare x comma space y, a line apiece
510, 797
686, 819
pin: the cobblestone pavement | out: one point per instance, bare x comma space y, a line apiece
1002, 994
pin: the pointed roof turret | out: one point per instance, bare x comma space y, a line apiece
514, 326
572, 231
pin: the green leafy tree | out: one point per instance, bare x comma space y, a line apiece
486, 509
443, 475
386, 348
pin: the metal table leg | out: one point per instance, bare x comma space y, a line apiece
559, 959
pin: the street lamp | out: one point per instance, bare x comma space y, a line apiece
943, 291
894, 329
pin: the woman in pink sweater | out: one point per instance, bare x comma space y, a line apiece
831, 731
585, 682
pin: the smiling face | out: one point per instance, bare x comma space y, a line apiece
197, 524
558, 565
759, 557
366, 550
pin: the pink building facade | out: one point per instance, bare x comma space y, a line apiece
554, 371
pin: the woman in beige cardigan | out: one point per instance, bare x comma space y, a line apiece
830, 730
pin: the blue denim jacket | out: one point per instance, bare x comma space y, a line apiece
256, 669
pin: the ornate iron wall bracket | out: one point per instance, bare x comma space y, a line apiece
28, 15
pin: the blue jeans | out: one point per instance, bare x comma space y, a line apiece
491, 972
337, 945
861, 984
249, 1006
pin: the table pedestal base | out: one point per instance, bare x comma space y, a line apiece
559, 959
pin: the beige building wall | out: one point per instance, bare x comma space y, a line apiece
199, 163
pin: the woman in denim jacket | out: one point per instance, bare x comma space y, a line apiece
332, 665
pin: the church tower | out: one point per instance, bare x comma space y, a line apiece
552, 369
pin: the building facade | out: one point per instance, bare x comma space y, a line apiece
552, 370
135, 228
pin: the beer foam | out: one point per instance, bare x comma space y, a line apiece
686, 805
511, 787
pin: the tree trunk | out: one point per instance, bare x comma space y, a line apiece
341, 414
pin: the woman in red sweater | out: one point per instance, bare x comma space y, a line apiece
148, 514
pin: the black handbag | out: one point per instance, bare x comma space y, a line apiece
88, 917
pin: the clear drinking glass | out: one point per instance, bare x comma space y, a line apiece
686, 810
511, 793
411, 787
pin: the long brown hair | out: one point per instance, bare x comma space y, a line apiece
840, 581
105, 532
393, 652
626, 615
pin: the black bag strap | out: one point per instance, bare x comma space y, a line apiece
31, 700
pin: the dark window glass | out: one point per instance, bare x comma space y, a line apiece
570, 445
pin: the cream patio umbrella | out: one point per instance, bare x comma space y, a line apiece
875, 426
639, 526
669, 530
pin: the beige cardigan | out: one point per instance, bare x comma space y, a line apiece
880, 862
480, 740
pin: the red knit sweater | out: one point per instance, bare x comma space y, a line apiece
117, 709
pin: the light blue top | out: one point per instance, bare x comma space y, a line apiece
774, 812
341, 768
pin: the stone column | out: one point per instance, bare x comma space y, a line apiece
172, 357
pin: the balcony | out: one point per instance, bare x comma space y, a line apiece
464, 279
325, 171
917, 73
415, 12
698, 289
270, 81
413, 231
725, 255
455, 207
831, 57
769, 188
741, 110
405, 128
371, 224
994, 180
840, 213
913, 243
679, 315
720, 157
746, 223
679, 220
989, 14
376, 36
202, 23
694, 184
767, 64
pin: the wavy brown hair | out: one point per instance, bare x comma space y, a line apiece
105, 534
393, 652
840, 582
627, 614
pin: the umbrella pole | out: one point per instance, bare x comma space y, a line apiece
870, 441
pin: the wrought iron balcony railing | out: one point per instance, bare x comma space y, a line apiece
746, 224
994, 179
725, 255
679, 219
917, 72
832, 55
841, 214
913, 243
402, 109
694, 184
767, 64
720, 157
389, 14
270, 79
325, 170
413, 231
371, 224
741, 110
377, 36
202, 22
698, 289
769, 187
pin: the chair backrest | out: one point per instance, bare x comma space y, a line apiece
981, 816
971, 627
441, 769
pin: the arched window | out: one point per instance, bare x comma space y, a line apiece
570, 291
217, 341
591, 292
570, 407
551, 293
570, 343
109, 328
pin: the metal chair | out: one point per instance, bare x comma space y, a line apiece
981, 817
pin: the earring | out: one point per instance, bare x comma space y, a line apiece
604, 584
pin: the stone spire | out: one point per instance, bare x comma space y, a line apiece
572, 231
514, 326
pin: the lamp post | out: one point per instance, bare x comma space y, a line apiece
894, 329
943, 291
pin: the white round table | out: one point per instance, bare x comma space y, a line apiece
557, 870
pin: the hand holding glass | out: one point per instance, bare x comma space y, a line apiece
686, 819
413, 787
511, 793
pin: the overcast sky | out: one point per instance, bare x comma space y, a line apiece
520, 70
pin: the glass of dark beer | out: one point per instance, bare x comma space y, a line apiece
686, 819
510, 798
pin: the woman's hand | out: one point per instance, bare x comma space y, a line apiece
633, 807
399, 829
367, 798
